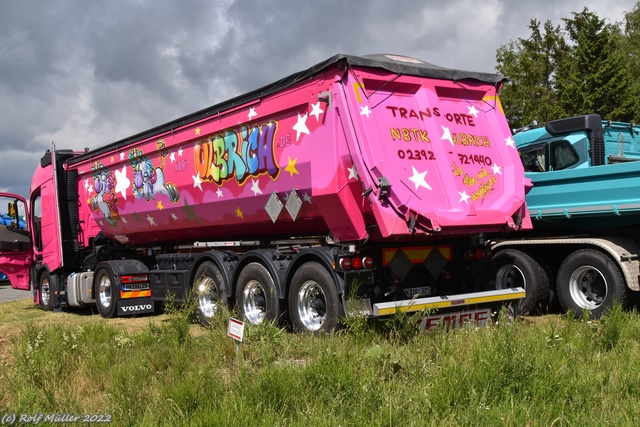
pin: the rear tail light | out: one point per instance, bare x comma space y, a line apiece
357, 263
367, 262
345, 263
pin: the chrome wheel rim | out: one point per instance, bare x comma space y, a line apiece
207, 297
45, 291
105, 291
254, 302
312, 305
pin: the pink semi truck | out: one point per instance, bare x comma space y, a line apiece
366, 183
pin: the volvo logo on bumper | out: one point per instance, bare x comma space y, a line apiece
135, 306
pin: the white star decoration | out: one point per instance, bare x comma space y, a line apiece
180, 151
151, 220
252, 113
88, 187
307, 198
219, 192
365, 111
316, 111
255, 187
473, 111
124, 220
301, 125
464, 197
510, 142
122, 182
353, 173
174, 217
496, 169
121, 156
172, 157
197, 182
446, 135
418, 179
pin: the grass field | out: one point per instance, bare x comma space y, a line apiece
165, 370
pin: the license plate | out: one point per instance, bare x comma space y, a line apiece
422, 291
455, 320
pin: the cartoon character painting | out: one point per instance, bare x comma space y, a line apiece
149, 181
105, 199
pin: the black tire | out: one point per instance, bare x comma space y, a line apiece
105, 292
256, 297
515, 268
589, 280
314, 304
209, 290
45, 291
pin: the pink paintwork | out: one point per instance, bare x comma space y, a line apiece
347, 149
444, 147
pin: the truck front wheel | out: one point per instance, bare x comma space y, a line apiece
44, 288
589, 280
313, 300
256, 296
517, 269
105, 293
208, 288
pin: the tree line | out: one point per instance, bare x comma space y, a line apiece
585, 65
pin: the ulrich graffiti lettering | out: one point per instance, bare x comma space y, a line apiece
237, 153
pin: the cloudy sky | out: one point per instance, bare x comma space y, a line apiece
85, 73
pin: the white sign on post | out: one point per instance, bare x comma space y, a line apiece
236, 329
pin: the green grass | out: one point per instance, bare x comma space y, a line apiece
538, 372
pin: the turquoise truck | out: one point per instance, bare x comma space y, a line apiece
583, 251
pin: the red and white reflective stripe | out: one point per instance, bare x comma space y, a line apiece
135, 294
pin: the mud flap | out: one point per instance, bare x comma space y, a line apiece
54, 282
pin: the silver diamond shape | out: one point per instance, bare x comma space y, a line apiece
294, 203
274, 206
